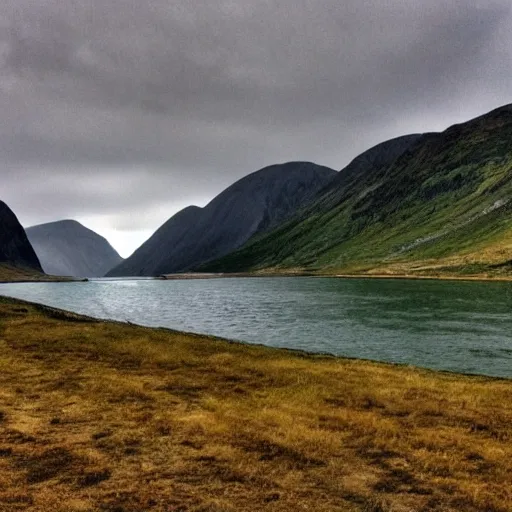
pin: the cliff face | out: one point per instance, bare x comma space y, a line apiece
252, 205
15, 248
66, 248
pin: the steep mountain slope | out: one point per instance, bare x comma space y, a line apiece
66, 248
362, 167
251, 205
153, 254
15, 248
444, 203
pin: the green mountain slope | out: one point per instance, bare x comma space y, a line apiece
441, 202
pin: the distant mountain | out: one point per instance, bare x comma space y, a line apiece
15, 248
439, 202
252, 205
66, 248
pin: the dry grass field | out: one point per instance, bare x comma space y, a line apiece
99, 416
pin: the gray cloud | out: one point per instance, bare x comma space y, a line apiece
128, 109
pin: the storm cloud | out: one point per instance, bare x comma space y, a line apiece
118, 112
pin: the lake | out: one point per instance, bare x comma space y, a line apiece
457, 326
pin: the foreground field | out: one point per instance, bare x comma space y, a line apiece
112, 417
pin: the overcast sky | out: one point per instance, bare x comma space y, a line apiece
118, 113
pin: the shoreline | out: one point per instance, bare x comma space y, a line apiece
56, 280
65, 314
262, 274
221, 275
11, 274
482, 278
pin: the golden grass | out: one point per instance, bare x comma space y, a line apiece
486, 261
98, 416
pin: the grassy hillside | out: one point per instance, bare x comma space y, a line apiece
443, 206
107, 416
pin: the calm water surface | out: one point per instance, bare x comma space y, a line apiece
460, 326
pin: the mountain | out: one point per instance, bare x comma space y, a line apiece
66, 248
371, 161
155, 256
15, 248
439, 202
252, 205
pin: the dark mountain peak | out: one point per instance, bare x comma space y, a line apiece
274, 176
292, 167
295, 167
492, 120
504, 110
189, 210
185, 217
265, 188
15, 248
388, 151
383, 154
249, 206
5, 211
68, 248
365, 167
